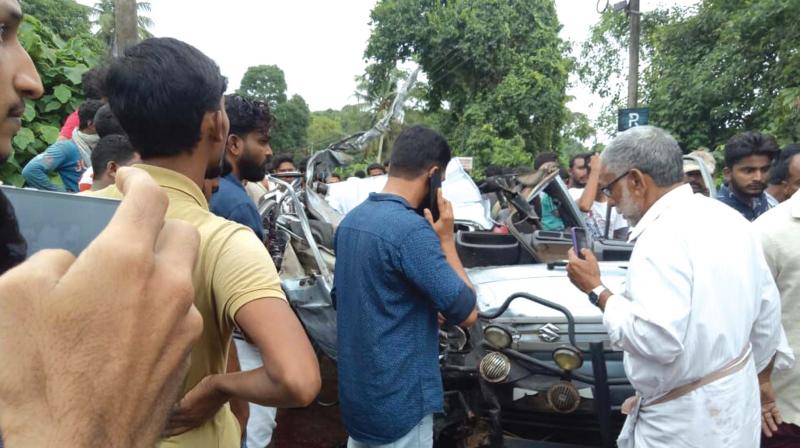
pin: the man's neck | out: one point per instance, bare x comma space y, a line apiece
406, 189
192, 167
745, 198
776, 192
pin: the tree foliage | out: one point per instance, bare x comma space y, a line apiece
64, 17
497, 70
265, 83
60, 65
709, 71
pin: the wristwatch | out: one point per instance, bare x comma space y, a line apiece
594, 295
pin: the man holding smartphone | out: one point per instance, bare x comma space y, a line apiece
395, 271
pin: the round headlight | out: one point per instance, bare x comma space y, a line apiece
495, 367
499, 337
568, 358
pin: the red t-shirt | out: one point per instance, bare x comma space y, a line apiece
70, 124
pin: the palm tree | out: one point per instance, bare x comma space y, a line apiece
103, 14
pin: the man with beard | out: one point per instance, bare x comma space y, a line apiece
248, 152
579, 170
687, 361
181, 134
747, 161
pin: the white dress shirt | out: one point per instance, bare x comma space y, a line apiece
698, 292
780, 235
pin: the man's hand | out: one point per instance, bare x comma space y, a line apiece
100, 343
584, 274
198, 406
770, 414
595, 163
444, 226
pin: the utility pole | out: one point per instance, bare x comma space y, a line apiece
634, 13
126, 30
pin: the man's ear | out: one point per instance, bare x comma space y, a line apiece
214, 126
433, 170
235, 145
111, 169
637, 181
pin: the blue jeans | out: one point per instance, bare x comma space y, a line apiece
421, 436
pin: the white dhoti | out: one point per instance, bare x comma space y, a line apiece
722, 414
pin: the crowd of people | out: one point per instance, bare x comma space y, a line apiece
184, 336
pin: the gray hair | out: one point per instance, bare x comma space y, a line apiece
649, 149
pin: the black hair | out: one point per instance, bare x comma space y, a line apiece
111, 148
247, 115
160, 91
416, 150
360, 174
749, 144
376, 166
545, 157
780, 169
106, 123
583, 155
87, 111
93, 82
281, 159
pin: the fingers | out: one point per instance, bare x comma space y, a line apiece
588, 255
48, 263
429, 216
571, 255
142, 210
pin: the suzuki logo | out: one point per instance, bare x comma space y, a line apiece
549, 333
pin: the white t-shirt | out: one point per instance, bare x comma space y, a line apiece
596, 218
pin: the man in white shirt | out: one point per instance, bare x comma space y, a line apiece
780, 237
595, 205
700, 317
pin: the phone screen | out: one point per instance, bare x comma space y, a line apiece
580, 240
49, 220
435, 186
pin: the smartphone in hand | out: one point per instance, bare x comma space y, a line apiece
580, 240
435, 186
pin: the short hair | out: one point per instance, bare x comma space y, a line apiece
360, 174
281, 159
87, 111
545, 157
93, 82
651, 150
106, 123
376, 166
160, 90
748, 144
416, 150
247, 115
111, 148
583, 155
780, 169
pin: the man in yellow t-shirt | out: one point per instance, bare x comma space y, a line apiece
168, 97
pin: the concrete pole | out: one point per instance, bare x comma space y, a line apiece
633, 54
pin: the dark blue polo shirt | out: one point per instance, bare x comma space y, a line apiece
232, 202
750, 212
391, 279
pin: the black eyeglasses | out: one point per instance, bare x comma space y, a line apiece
607, 189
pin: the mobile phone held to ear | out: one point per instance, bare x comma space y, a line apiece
435, 186
49, 220
580, 241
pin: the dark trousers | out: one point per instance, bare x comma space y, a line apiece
788, 436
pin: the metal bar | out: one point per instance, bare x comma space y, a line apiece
602, 394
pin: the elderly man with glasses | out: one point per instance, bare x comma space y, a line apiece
699, 321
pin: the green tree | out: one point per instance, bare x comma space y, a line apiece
65, 17
103, 13
497, 70
710, 71
291, 126
265, 83
323, 130
60, 65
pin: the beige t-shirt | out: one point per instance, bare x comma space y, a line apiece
233, 268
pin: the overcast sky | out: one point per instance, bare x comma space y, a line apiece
319, 44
